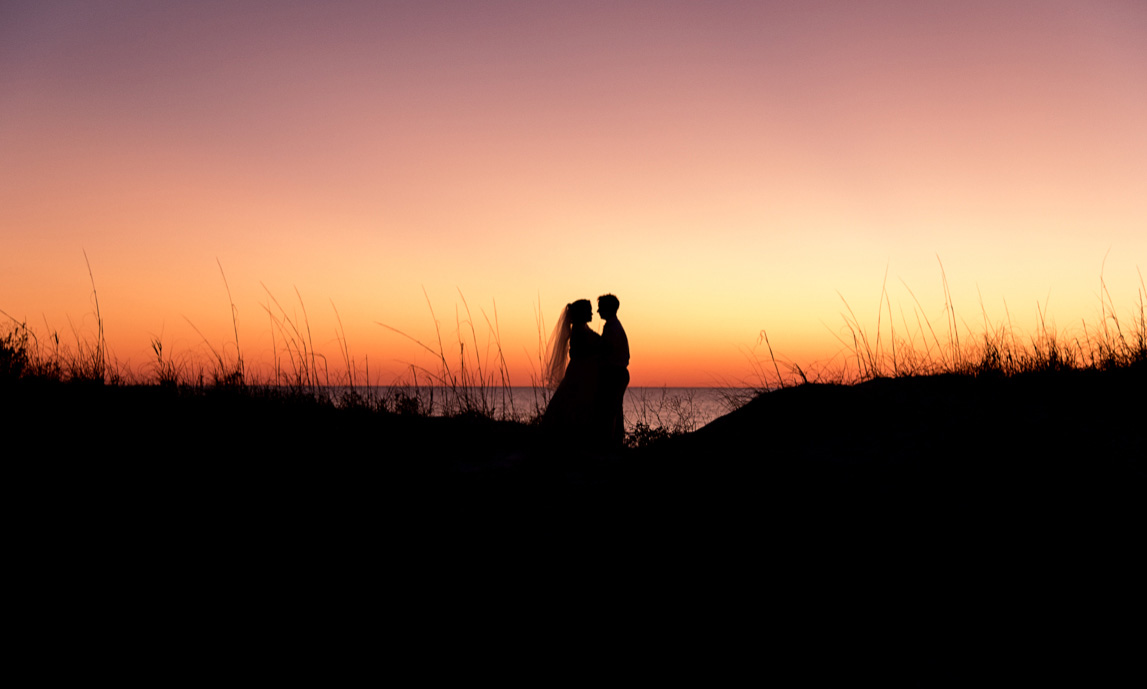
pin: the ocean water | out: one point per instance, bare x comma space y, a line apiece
680, 409
684, 409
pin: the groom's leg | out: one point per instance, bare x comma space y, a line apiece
619, 381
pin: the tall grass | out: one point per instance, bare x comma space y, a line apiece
472, 377
24, 355
922, 348
662, 414
473, 380
166, 372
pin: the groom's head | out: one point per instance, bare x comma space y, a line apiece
607, 306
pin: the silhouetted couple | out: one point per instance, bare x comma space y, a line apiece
589, 390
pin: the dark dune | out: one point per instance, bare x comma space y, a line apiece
1047, 454
909, 484
1057, 444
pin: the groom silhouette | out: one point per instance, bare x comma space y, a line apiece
613, 373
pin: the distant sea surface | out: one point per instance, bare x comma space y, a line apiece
691, 408
672, 408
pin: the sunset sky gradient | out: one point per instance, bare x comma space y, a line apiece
723, 167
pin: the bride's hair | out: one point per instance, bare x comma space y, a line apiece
558, 349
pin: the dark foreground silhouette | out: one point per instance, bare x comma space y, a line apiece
909, 493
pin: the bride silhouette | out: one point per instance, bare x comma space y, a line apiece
571, 413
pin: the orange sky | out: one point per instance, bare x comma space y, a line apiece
722, 167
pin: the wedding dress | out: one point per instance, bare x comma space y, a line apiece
571, 411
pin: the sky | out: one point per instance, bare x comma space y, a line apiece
722, 167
